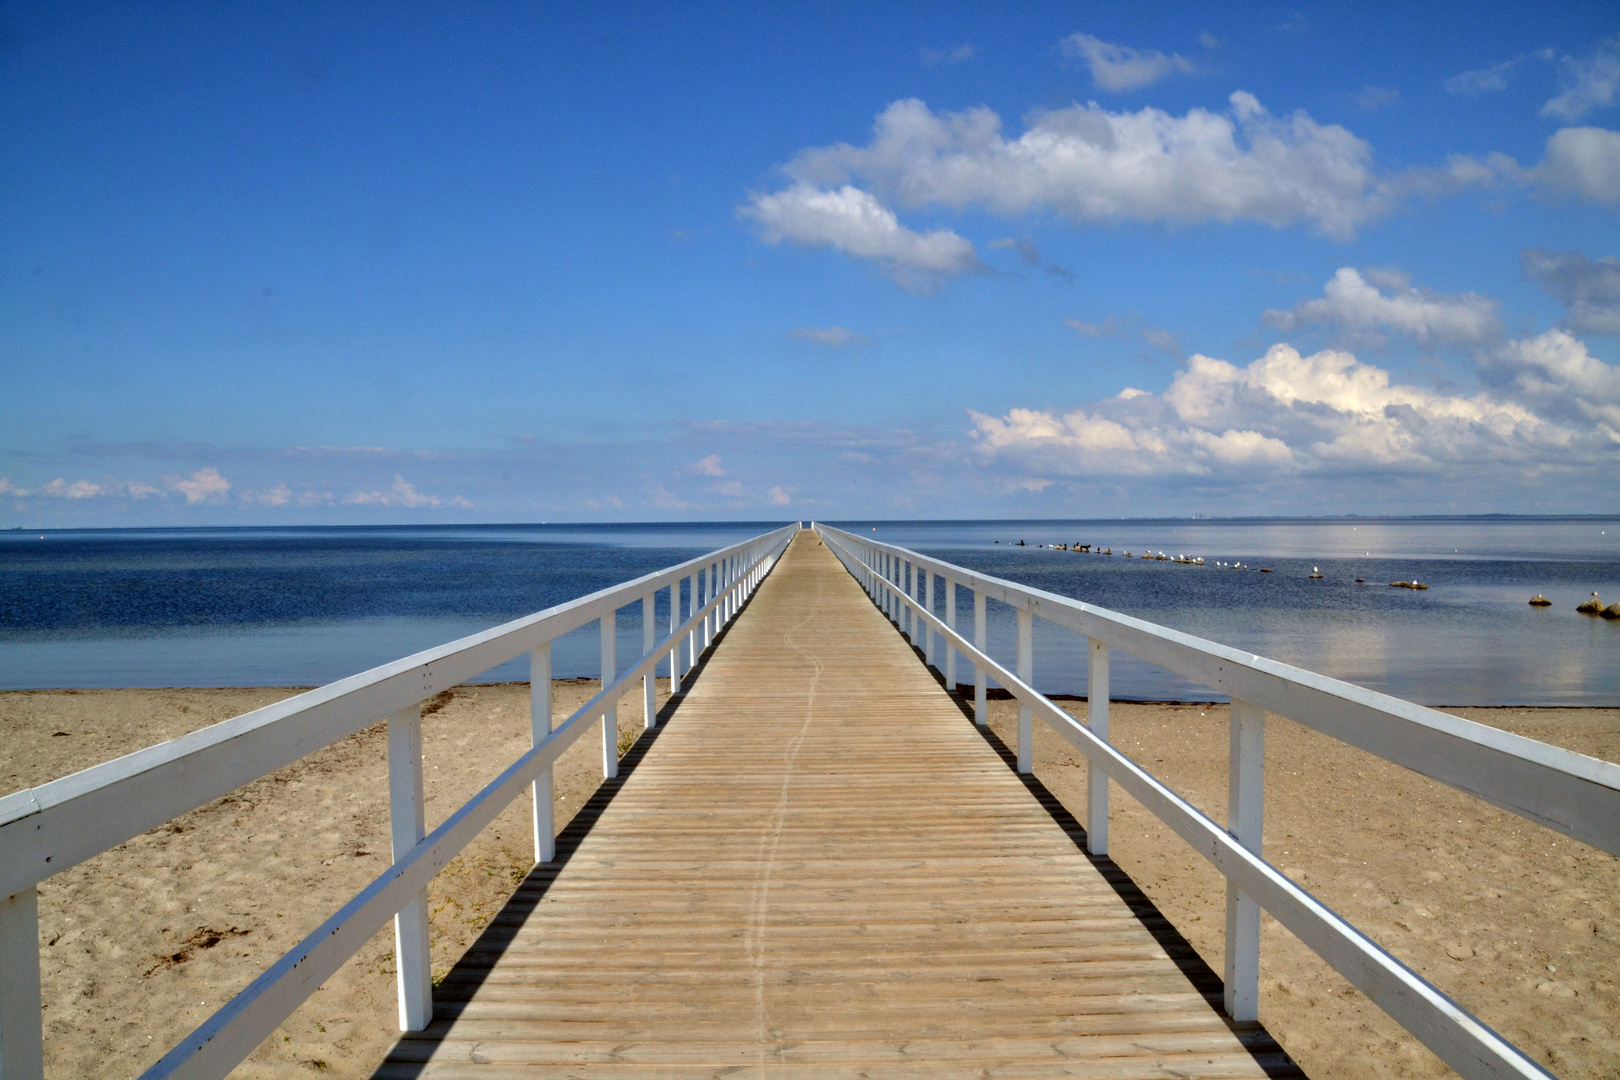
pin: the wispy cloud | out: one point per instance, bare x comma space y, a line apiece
708, 466
79, 489
1484, 80
1117, 68
1114, 326
1589, 288
834, 337
402, 493
1030, 256
279, 495
1589, 82
961, 54
1372, 98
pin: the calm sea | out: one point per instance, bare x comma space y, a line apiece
301, 607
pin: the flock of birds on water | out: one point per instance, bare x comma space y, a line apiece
1590, 606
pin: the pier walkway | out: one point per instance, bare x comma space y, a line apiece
818, 865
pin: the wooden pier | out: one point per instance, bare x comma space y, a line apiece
817, 865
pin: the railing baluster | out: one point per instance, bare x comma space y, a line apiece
1245, 810
649, 681
22, 1042
610, 713
692, 634
1026, 666
413, 962
928, 630
708, 594
950, 621
981, 692
674, 642
1097, 720
908, 585
545, 823
888, 582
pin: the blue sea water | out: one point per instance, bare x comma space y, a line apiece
301, 607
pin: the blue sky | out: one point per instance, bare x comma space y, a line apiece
284, 264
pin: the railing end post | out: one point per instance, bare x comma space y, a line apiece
22, 1036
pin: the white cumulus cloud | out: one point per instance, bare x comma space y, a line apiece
202, 486
1358, 306
1582, 161
855, 222
1117, 68
1555, 373
1085, 163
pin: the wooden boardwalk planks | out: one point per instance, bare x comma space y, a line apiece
818, 866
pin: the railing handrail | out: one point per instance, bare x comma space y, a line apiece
122, 798
1457, 1037
1561, 789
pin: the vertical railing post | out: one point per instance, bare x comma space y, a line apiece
981, 691
22, 1036
1097, 720
692, 634
674, 642
649, 681
950, 621
610, 711
898, 582
413, 961
707, 573
1245, 807
545, 824
908, 585
928, 627
888, 574
1026, 672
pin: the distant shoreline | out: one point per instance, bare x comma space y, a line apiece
763, 525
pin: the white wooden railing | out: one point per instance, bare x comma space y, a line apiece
45, 830
1569, 792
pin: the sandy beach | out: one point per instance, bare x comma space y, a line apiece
143, 942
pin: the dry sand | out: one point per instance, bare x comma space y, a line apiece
1512, 920
144, 941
